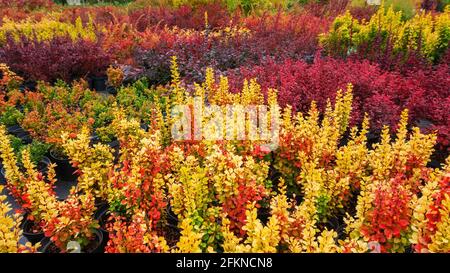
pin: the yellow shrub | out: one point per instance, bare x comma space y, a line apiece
47, 29
429, 34
10, 230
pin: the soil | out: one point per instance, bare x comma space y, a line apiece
172, 235
53, 249
42, 166
171, 232
93, 244
104, 220
58, 155
31, 228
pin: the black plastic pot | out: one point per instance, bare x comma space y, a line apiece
32, 237
2, 176
47, 246
98, 83
100, 204
115, 145
19, 132
64, 169
309, 59
43, 165
101, 215
111, 90
28, 85
13, 130
144, 127
94, 139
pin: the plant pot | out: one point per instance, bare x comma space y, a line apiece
28, 85
64, 169
2, 176
309, 59
19, 132
42, 166
115, 145
111, 90
98, 83
94, 139
32, 236
15, 130
144, 127
100, 204
96, 246
2, 181
102, 215
26, 138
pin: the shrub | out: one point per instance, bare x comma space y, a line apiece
215, 196
37, 150
387, 35
430, 217
185, 17
276, 37
59, 58
28, 5
46, 29
9, 80
379, 93
11, 116
115, 76
10, 230
74, 221
327, 8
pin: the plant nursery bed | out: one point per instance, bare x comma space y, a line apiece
220, 126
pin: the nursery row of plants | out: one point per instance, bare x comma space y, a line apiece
362, 94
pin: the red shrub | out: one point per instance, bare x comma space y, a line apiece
27, 5
285, 35
361, 13
60, 58
380, 93
100, 14
327, 8
182, 17
18, 15
277, 37
390, 216
434, 213
433, 5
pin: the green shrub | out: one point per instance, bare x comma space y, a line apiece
423, 33
11, 116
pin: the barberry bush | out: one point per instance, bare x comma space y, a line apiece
359, 123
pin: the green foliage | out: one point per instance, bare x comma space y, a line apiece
425, 33
407, 7
105, 134
16, 144
11, 116
38, 150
